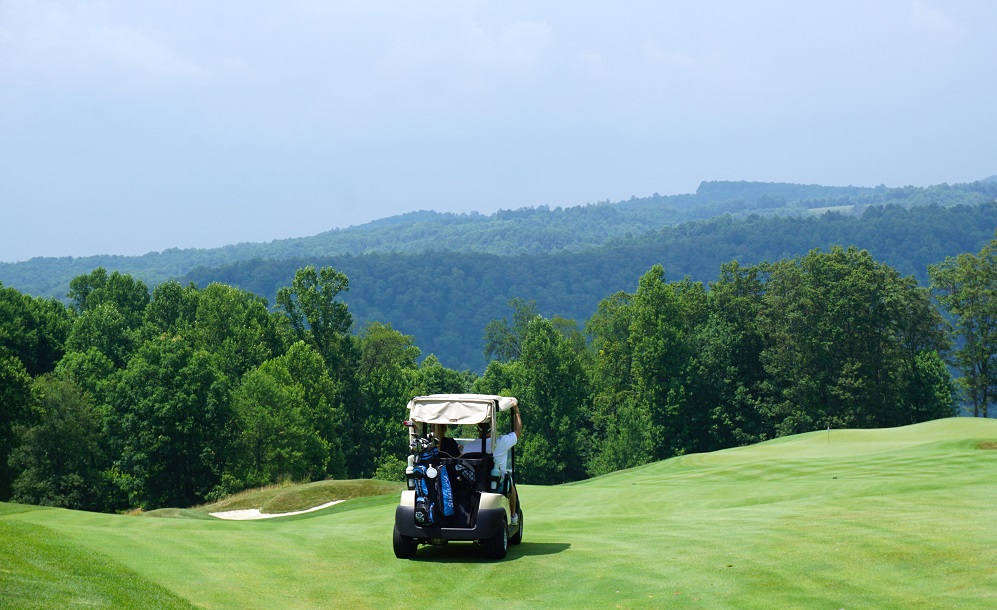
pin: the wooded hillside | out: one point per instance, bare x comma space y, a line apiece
506, 232
445, 299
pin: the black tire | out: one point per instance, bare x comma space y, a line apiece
405, 547
518, 536
498, 545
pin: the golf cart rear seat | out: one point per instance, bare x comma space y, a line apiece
469, 471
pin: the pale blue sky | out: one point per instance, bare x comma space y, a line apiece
128, 127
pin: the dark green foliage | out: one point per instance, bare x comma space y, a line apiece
60, 455
385, 373
729, 366
322, 403
104, 329
841, 346
32, 329
277, 441
316, 316
236, 328
664, 319
829, 339
550, 383
173, 424
173, 309
90, 370
620, 427
14, 392
445, 299
110, 312
127, 295
434, 378
503, 340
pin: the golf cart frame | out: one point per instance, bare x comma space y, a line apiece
481, 511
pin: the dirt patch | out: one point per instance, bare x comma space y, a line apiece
987, 445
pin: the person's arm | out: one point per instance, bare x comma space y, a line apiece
517, 421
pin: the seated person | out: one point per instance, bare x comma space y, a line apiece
448, 446
500, 451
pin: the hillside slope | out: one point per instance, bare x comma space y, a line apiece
539, 230
846, 518
445, 299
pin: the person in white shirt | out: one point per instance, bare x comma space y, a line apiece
502, 446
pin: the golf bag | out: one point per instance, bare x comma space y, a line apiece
433, 493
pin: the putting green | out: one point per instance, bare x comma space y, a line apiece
848, 519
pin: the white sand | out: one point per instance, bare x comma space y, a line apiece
254, 513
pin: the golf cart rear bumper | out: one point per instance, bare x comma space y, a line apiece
486, 525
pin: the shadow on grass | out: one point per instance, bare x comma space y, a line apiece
468, 552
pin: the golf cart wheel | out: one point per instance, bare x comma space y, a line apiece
405, 547
518, 536
498, 545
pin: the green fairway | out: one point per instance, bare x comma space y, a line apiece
896, 518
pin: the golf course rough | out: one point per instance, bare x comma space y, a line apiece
890, 518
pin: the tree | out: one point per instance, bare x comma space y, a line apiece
621, 429
90, 370
172, 310
842, 337
317, 317
386, 373
729, 368
111, 310
503, 339
552, 389
33, 330
59, 458
235, 327
126, 294
323, 404
966, 286
660, 332
314, 315
173, 424
102, 327
434, 378
276, 438
14, 396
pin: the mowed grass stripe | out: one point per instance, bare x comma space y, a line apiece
871, 518
40, 570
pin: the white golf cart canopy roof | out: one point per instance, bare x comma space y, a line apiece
457, 408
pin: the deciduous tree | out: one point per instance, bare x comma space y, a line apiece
966, 286
60, 457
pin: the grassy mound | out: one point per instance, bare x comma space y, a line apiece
850, 518
289, 498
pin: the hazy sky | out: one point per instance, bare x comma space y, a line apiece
128, 127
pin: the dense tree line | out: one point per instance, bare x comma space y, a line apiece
128, 397
824, 340
170, 397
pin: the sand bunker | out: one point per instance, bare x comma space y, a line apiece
254, 513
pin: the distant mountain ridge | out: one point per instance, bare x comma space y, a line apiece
506, 232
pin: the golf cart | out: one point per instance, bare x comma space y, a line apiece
455, 497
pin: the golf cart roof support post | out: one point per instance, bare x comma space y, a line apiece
493, 432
